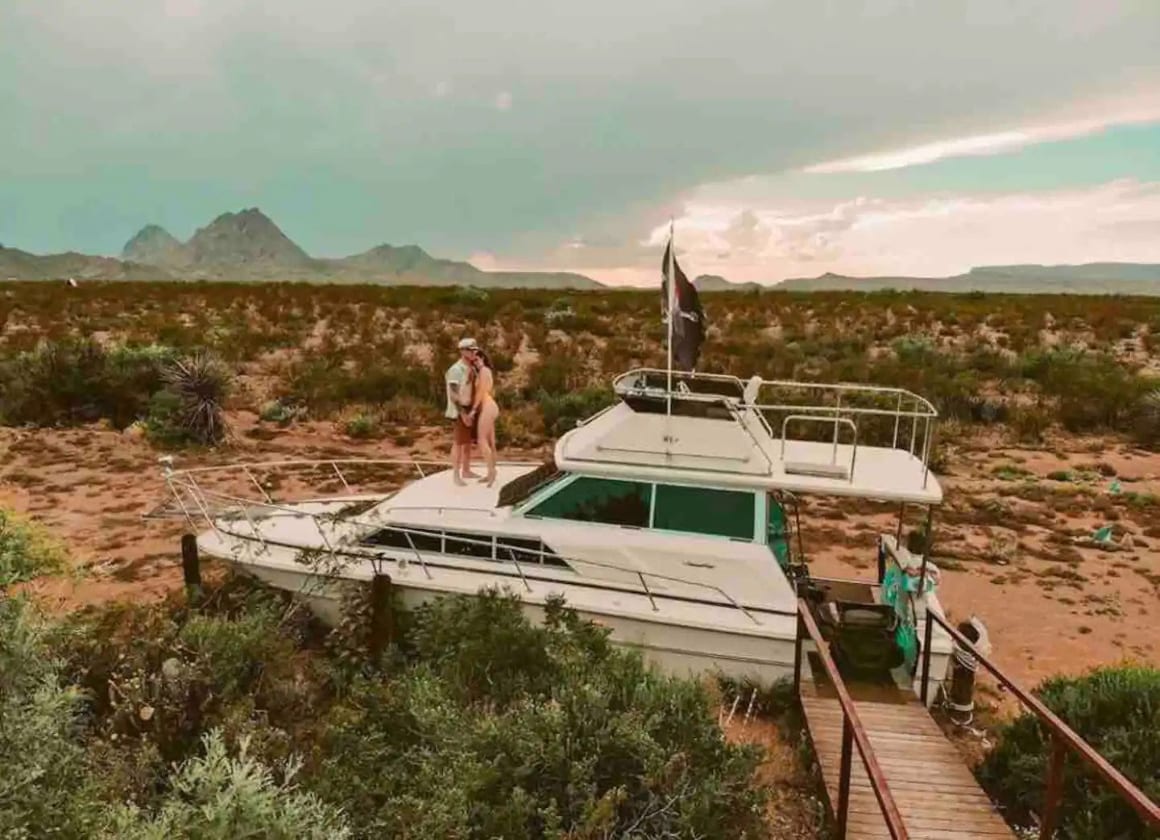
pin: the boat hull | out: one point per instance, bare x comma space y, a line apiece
761, 652
681, 651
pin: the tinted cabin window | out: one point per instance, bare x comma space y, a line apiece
696, 510
523, 551
599, 500
420, 540
468, 545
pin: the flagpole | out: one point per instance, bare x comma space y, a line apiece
671, 294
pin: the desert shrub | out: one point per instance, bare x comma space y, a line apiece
160, 677
1147, 419
501, 729
1117, 711
279, 412
562, 411
361, 425
163, 419
26, 551
560, 314
45, 786
409, 411
1093, 391
326, 384
555, 373
470, 295
216, 796
78, 381
1029, 422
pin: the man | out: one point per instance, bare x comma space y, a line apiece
458, 380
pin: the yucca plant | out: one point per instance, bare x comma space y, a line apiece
201, 382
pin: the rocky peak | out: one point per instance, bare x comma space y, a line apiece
154, 245
246, 237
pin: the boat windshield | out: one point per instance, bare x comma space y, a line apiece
519, 489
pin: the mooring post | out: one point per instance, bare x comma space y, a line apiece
382, 616
191, 569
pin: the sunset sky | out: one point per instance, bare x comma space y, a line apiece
785, 139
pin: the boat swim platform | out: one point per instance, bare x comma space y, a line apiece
938, 798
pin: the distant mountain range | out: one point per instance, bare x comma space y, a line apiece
249, 246
1087, 279
717, 283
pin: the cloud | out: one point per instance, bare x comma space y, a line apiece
328, 115
983, 144
182, 8
930, 236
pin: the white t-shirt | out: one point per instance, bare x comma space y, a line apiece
456, 375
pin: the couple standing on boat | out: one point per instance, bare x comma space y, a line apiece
473, 409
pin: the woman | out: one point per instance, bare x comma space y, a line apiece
484, 411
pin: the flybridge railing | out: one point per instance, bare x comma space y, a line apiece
218, 509
898, 418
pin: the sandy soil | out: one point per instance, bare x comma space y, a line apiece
1013, 547
1005, 536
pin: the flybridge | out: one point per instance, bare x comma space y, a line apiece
834, 439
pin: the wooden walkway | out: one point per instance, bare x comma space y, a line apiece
936, 794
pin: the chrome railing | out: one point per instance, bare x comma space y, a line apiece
217, 509
836, 403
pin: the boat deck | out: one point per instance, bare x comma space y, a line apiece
937, 796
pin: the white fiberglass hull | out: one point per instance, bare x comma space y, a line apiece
762, 654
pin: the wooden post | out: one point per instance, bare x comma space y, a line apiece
1054, 787
797, 655
922, 692
191, 569
382, 616
844, 776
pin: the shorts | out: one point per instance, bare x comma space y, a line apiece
466, 433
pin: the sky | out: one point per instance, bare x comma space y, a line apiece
783, 139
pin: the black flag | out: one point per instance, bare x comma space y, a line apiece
689, 319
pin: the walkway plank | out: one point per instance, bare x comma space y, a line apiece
937, 796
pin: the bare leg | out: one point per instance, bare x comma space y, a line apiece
487, 416
456, 459
467, 473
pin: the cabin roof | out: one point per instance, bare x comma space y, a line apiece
736, 448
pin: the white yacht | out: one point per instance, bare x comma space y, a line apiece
671, 518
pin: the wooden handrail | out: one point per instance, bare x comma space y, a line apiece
852, 731
1062, 735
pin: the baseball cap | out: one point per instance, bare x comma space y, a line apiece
468, 344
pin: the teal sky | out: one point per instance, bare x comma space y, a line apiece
559, 135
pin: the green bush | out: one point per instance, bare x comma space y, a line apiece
1117, 711
26, 552
496, 728
361, 426
276, 411
1147, 420
219, 797
45, 789
78, 381
562, 411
